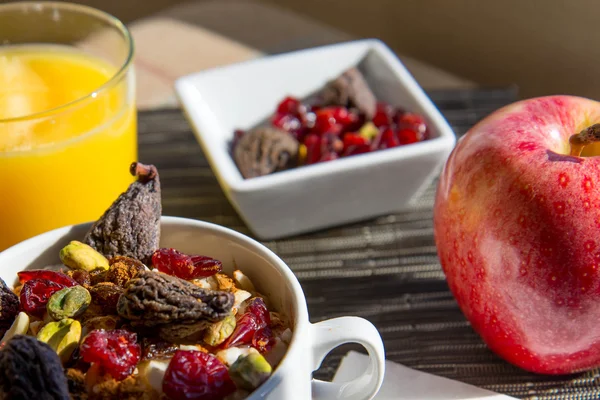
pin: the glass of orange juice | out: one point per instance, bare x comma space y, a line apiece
67, 116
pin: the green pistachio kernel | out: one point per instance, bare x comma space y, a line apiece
63, 336
249, 372
217, 332
68, 302
77, 255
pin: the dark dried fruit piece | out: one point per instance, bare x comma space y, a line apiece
9, 306
131, 226
122, 269
197, 375
350, 89
35, 294
177, 307
80, 276
50, 275
154, 348
265, 150
106, 295
173, 262
116, 351
30, 369
98, 276
153, 298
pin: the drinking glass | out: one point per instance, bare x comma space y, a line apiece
67, 116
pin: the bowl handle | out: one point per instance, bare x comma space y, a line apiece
329, 334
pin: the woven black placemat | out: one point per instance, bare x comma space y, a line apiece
385, 270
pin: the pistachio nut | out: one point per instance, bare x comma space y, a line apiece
20, 326
217, 332
77, 255
249, 372
63, 336
69, 302
369, 131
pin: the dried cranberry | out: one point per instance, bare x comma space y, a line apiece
35, 294
325, 122
255, 317
173, 262
343, 116
116, 351
54, 276
263, 340
407, 136
354, 139
415, 122
383, 115
196, 375
244, 331
355, 144
329, 157
258, 308
289, 105
287, 122
313, 148
389, 139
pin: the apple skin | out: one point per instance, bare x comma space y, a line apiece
517, 228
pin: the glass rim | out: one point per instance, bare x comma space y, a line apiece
83, 9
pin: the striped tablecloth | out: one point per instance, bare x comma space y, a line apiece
385, 270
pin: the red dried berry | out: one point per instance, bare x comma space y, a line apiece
263, 340
389, 140
407, 136
414, 122
354, 139
176, 263
54, 276
255, 317
383, 115
196, 375
289, 105
287, 122
313, 148
246, 326
258, 308
116, 351
35, 294
325, 122
355, 144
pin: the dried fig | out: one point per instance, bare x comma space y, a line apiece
176, 307
30, 369
131, 226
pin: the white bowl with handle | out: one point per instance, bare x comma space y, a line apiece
272, 277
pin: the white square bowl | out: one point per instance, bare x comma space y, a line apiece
317, 196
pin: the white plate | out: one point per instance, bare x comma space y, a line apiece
308, 198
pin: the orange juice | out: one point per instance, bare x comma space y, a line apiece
67, 138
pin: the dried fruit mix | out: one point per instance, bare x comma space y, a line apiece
343, 119
127, 319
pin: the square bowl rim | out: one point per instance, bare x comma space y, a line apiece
235, 182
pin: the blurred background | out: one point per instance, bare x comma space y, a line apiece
542, 46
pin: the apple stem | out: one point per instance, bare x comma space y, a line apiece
587, 136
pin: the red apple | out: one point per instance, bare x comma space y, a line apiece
517, 228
